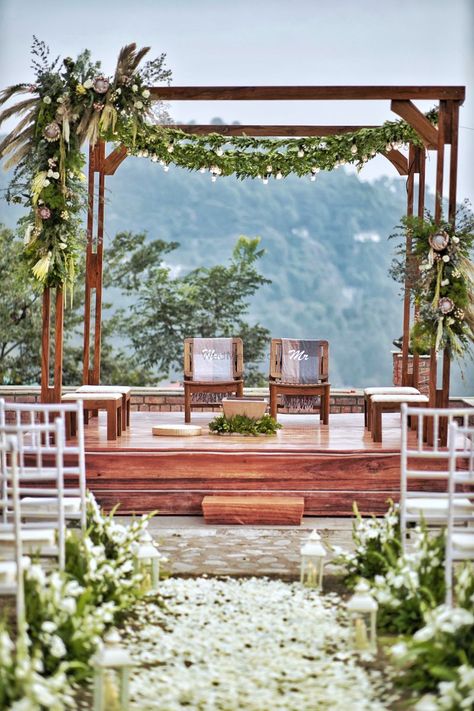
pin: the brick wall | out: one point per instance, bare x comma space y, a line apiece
424, 371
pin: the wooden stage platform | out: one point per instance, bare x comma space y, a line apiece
330, 466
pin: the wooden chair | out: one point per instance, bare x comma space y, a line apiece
320, 387
235, 385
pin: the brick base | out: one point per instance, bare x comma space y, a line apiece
424, 371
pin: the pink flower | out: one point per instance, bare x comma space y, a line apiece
44, 212
101, 85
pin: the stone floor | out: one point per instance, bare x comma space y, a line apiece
195, 548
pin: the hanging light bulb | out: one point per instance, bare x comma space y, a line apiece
154, 159
388, 147
166, 168
145, 154
353, 149
213, 178
269, 168
170, 148
162, 162
265, 180
314, 172
373, 152
300, 152
364, 159
202, 170
219, 151
279, 175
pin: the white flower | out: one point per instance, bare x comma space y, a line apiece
57, 647
134, 87
47, 99
445, 258
399, 649
424, 634
118, 91
88, 84
49, 626
138, 105
145, 93
455, 239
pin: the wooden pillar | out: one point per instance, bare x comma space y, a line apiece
52, 393
420, 158
406, 377
94, 264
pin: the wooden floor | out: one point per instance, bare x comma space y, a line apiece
330, 466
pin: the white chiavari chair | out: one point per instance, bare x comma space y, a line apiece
12, 415
43, 538
419, 461
460, 534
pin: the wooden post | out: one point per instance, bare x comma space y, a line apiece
420, 154
52, 393
406, 379
94, 262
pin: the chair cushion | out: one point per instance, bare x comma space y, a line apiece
438, 506
31, 504
395, 389
400, 398
72, 397
124, 389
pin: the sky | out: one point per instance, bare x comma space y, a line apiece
274, 42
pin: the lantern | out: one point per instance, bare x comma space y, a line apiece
147, 560
112, 666
363, 611
313, 554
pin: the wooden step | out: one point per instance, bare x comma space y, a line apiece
251, 509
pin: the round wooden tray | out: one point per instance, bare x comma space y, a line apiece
176, 430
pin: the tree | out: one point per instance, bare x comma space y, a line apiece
206, 302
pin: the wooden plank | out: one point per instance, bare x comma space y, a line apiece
251, 509
412, 115
114, 159
408, 257
303, 93
267, 130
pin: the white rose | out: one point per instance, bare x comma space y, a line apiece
46, 183
138, 105
118, 91
47, 99
455, 239
445, 258
87, 84
134, 87
145, 93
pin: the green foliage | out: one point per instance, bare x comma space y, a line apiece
440, 655
242, 424
441, 280
412, 585
377, 546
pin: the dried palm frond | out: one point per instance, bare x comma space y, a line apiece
19, 108
18, 156
83, 125
16, 132
10, 91
23, 137
128, 60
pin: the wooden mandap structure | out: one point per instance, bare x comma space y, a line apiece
175, 476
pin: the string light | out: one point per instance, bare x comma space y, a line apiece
219, 151
170, 148
300, 153
166, 168
202, 170
353, 149
269, 168
265, 180
279, 175
388, 147
213, 178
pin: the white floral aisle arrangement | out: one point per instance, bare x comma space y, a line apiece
68, 613
248, 644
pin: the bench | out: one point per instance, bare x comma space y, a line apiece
391, 403
253, 509
383, 390
124, 390
110, 402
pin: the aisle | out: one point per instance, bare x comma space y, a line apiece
248, 645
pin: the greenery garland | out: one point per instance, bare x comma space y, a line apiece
77, 103
441, 277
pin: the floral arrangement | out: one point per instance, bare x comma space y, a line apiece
441, 277
241, 424
68, 613
377, 546
440, 655
413, 585
66, 106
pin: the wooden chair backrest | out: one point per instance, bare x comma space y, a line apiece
276, 360
237, 358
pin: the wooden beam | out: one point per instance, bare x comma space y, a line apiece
412, 115
303, 93
270, 130
113, 160
398, 160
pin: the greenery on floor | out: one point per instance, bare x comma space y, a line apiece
241, 424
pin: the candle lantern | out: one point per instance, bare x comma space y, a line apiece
363, 608
313, 555
112, 666
147, 561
